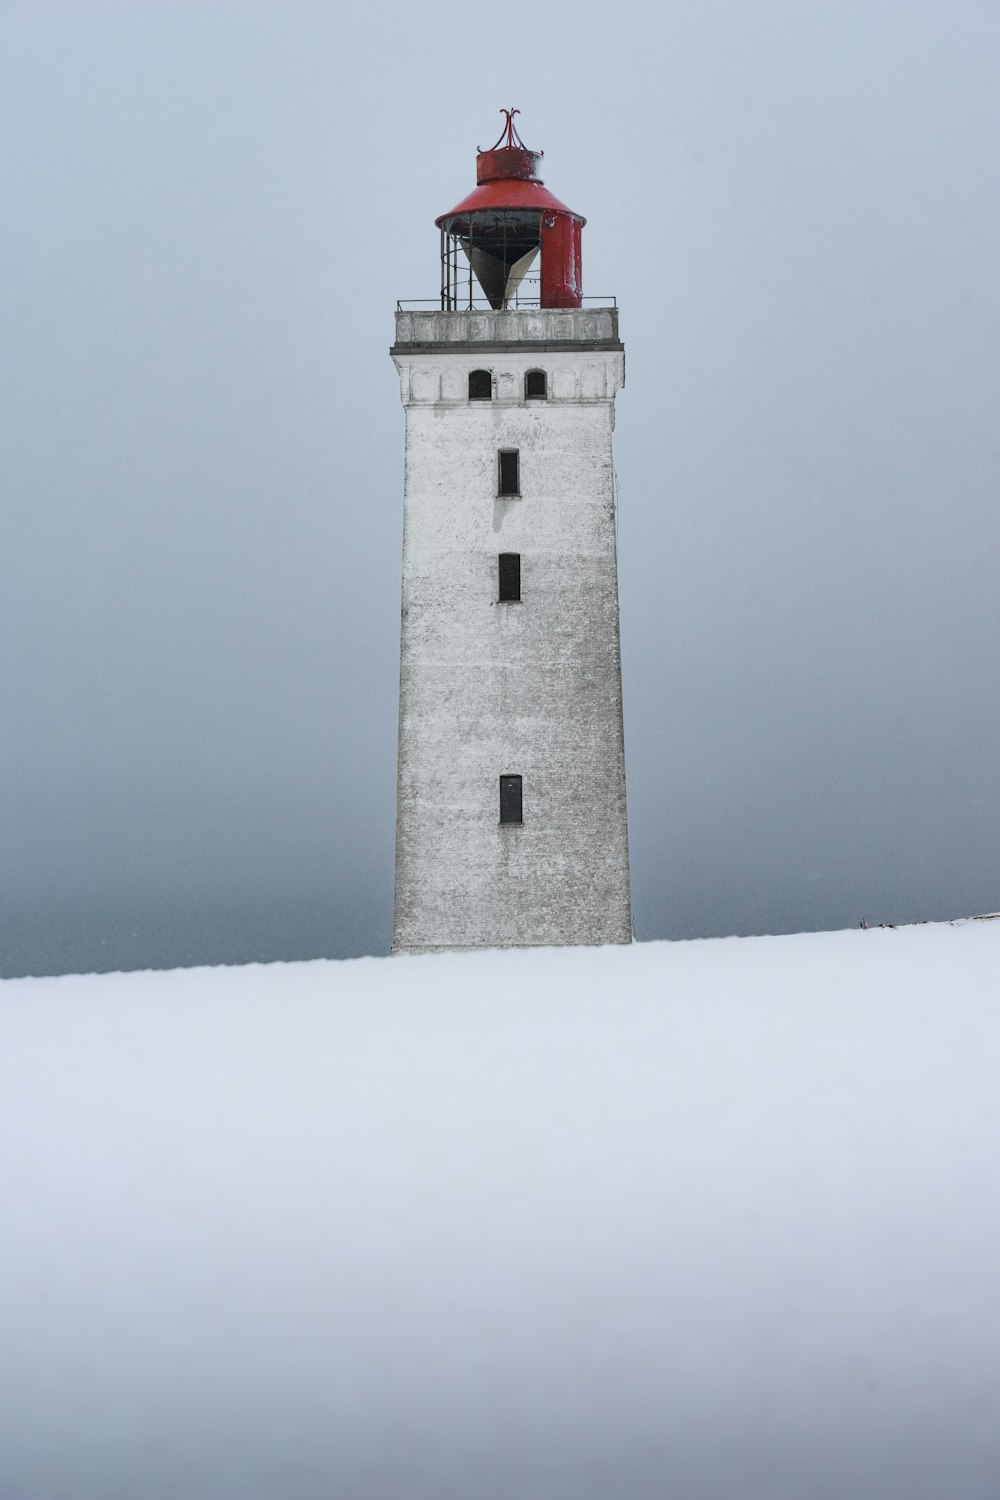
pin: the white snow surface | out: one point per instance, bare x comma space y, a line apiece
709, 1219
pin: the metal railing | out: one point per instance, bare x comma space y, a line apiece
480, 304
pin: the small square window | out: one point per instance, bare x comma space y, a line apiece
509, 477
510, 577
510, 799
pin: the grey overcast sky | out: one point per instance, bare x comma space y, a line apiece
209, 211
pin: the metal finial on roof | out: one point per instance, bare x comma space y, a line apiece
509, 137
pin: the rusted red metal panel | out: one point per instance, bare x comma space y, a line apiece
508, 162
562, 243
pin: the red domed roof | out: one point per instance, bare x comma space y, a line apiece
509, 193
507, 178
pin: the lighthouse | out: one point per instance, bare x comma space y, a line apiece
511, 826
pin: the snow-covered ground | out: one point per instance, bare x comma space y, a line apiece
698, 1220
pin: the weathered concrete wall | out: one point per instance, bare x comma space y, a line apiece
533, 687
538, 325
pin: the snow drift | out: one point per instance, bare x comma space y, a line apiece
712, 1219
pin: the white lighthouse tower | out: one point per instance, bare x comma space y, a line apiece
511, 824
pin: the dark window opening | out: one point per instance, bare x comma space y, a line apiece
480, 385
510, 799
534, 385
510, 483
510, 577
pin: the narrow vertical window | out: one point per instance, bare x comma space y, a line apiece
480, 385
534, 386
510, 799
509, 475
510, 577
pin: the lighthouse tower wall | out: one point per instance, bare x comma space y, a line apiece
492, 688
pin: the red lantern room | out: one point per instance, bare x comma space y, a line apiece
501, 228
